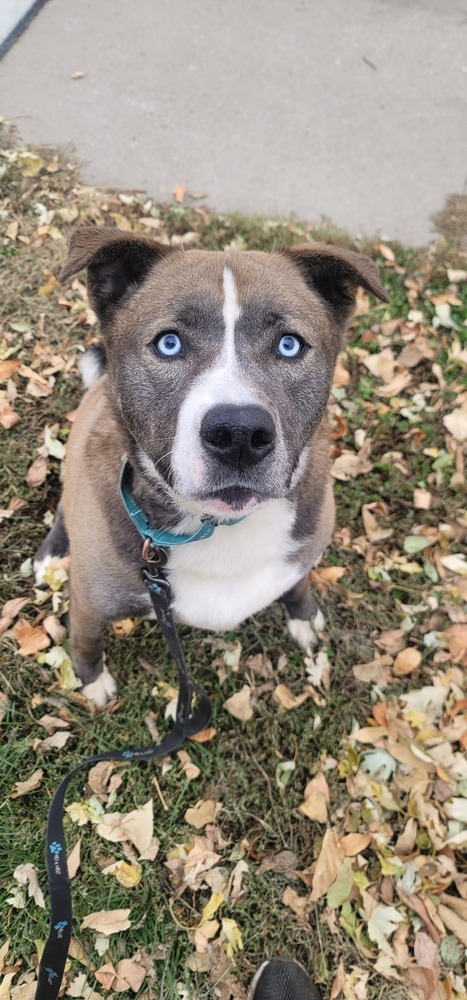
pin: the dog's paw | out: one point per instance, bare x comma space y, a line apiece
303, 630
102, 690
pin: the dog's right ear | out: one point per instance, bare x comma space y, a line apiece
117, 262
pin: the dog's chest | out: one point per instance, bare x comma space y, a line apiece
220, 581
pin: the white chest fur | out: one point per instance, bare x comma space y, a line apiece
220, 581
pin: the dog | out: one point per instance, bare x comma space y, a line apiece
212, 380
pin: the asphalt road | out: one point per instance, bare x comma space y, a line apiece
352, 109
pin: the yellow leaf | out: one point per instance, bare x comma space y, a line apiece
31, 163
232, 935
214, 903
127, 874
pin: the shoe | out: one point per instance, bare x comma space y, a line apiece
282, 979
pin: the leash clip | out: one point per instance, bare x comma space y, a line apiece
153, 554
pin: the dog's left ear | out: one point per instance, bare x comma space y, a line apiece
117, 262
336, 274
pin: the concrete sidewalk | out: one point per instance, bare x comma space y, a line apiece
353, 109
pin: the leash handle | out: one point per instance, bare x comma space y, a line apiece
54, 956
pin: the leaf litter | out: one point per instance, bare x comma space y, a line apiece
383, 811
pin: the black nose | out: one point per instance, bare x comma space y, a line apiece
238, 435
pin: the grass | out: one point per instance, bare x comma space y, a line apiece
259, 818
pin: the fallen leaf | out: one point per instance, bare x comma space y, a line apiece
457, 643
130, 975
299, 904
127, 874
205, 811
27, 875
74, 858
51, 723
382, 924
179, 193
239, 704
382, 364
316, 801
422, 499
31, 639
8, 368
327, 866
408, 660
107, 921
454, 923
351, 464
12, 608
189, 768
354, 843
456, 423
204, 736
37, 472
284, 697
29, 785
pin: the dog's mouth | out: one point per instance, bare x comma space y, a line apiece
231, 501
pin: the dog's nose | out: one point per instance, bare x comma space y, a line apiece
238, 435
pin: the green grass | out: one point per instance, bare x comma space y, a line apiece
239, 765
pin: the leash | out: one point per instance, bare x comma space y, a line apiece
188, 722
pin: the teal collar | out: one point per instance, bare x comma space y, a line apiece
158, 537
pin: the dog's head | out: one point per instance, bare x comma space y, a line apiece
220, 363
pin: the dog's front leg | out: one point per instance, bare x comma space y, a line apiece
87, 630
304, 616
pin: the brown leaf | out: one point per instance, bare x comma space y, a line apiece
454, 923
408, 660
130, 975
382, 364
316, 801
8, 368
341, 375
51, 723
190, 769
55, 742
106, 975
205, 811
422, 499
204, 736
30, 639
37, 472
99, 777
53, 628
391, 640
351, 464
327, 866
74, 858
239, 704
107, 921
13, 607
299, 904
29, 785
179, 193
354, 843
284, 697
457, 641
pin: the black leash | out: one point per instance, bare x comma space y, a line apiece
187, 723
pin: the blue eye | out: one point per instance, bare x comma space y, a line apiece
168, 344
290, 346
